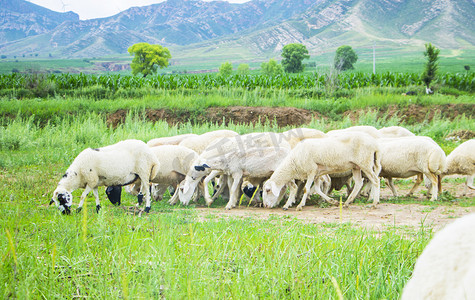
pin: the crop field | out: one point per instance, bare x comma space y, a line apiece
196, 252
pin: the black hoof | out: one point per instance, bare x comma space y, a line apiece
78, 210
98, 208
285, 208
66, 211
147, 209
140, 198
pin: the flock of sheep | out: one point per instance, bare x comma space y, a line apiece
304, 161
264, 165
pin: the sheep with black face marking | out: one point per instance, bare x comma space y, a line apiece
255, 155
115, 165
462, 161
313, 158
446, 268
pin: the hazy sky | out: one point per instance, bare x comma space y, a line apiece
90, 9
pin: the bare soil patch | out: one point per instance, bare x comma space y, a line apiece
291, 116
385, 215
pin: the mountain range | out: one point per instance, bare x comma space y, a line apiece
260, 26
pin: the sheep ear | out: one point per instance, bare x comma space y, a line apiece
51, 202
275, 189
206, 166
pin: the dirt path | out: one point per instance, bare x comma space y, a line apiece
384, 215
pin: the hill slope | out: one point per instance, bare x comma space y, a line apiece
260, 26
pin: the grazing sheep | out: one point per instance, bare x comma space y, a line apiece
296, 135
170, 140
175, 161
254, 155
462, 161
404, 157
200, 142
370, 130
395, 131
446, 268
115, 165
313, 158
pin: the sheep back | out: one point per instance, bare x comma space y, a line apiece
446, 267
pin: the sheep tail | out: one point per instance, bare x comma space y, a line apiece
377, 162
154, 171
437, 162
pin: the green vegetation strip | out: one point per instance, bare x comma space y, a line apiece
44, 85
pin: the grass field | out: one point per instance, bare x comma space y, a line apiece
171, 252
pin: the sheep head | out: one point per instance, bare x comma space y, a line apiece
63, 200
270, 194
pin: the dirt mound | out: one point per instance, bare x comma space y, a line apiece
462, 135
283, 116
413, 114
291, 116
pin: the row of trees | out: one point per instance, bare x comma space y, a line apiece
148, 58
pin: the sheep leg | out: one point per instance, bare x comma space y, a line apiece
87, 190
98, 203
221, 188
433, 189
174, 199
375, 186
419, 179
318, 191
233, 191
326, 183
356, 189
207, 179
392, 187
293, 190
469, 184
308, 186
145, 190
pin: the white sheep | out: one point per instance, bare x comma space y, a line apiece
446, 268
175, 161
313, 158
370, 130
200, 142
169, 140
254, 155
395, 131
404, 157
462, 161
116, 165
296, 135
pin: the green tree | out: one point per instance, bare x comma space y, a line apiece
148, 58
293, 55
243, 69
345, 58
271, 68
226, 69
432, 54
